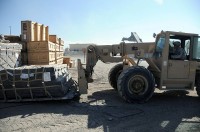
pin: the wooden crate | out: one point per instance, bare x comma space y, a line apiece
54, 39
66, 60
57, 47
59, 61
58, 55
33, 31
61, 48
61, 42
37, 46
40, 57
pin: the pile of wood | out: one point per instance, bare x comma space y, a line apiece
41, 48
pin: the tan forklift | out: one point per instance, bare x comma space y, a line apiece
136, 83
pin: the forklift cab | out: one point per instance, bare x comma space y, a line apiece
177, 73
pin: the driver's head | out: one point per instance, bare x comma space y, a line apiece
177, 44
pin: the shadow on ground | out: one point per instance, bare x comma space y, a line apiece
168, 111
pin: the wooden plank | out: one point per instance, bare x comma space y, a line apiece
47, 33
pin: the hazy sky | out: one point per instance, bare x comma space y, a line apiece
102, 21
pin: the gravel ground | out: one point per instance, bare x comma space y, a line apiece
102, 110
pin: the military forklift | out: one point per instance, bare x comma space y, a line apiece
136, 83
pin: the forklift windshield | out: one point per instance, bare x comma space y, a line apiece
159, 46
196, 49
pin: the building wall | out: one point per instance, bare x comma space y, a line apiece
78, 47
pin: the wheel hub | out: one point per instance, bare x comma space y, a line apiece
137, 84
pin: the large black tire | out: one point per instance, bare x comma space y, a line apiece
136, 84
198, 84
114, 74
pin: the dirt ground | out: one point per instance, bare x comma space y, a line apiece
102, 110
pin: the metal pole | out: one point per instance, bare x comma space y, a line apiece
10, 29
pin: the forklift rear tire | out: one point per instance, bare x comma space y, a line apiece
114, 74
198, 84
136, 84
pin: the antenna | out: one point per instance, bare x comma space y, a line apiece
10, 29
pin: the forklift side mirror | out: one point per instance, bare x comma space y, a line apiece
154, 35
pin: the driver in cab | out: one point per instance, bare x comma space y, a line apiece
178, 52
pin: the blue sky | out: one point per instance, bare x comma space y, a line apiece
102, 21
